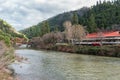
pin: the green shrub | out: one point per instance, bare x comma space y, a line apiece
6, 39
1, 37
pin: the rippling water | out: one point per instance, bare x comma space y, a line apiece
50, 65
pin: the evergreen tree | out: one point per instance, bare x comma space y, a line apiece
75, 19
56, 29
92, 24
45, 28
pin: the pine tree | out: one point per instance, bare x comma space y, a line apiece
45, 28
75, 19
100, 2
46, 24
92, 24
97, 3
56, 29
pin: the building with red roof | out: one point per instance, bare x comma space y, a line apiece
99, 38
111, 34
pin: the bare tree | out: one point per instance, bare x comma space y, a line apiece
68, 30
78, 32
74, 32
52, 38
101, 36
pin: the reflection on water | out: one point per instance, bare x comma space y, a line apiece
49, 65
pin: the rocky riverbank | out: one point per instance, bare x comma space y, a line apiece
6, 57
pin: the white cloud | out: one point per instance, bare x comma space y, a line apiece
24, 13
40, 1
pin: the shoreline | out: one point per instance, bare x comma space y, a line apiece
106, 50
6, 58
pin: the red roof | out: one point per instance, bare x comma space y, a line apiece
104, 34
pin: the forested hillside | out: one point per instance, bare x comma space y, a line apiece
7, 32
102, 16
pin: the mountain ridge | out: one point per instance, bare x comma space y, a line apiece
102, 16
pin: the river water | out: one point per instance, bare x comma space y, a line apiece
51, 65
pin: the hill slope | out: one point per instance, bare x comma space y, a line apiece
7, 32
103, 16
56, 21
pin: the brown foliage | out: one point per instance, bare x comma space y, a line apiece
68, 30
74, 31
78, 32
52, 37
47, 40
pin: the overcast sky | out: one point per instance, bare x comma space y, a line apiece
25, 13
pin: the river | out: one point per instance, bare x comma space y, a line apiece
51, 65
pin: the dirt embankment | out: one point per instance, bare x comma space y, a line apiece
6, 57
